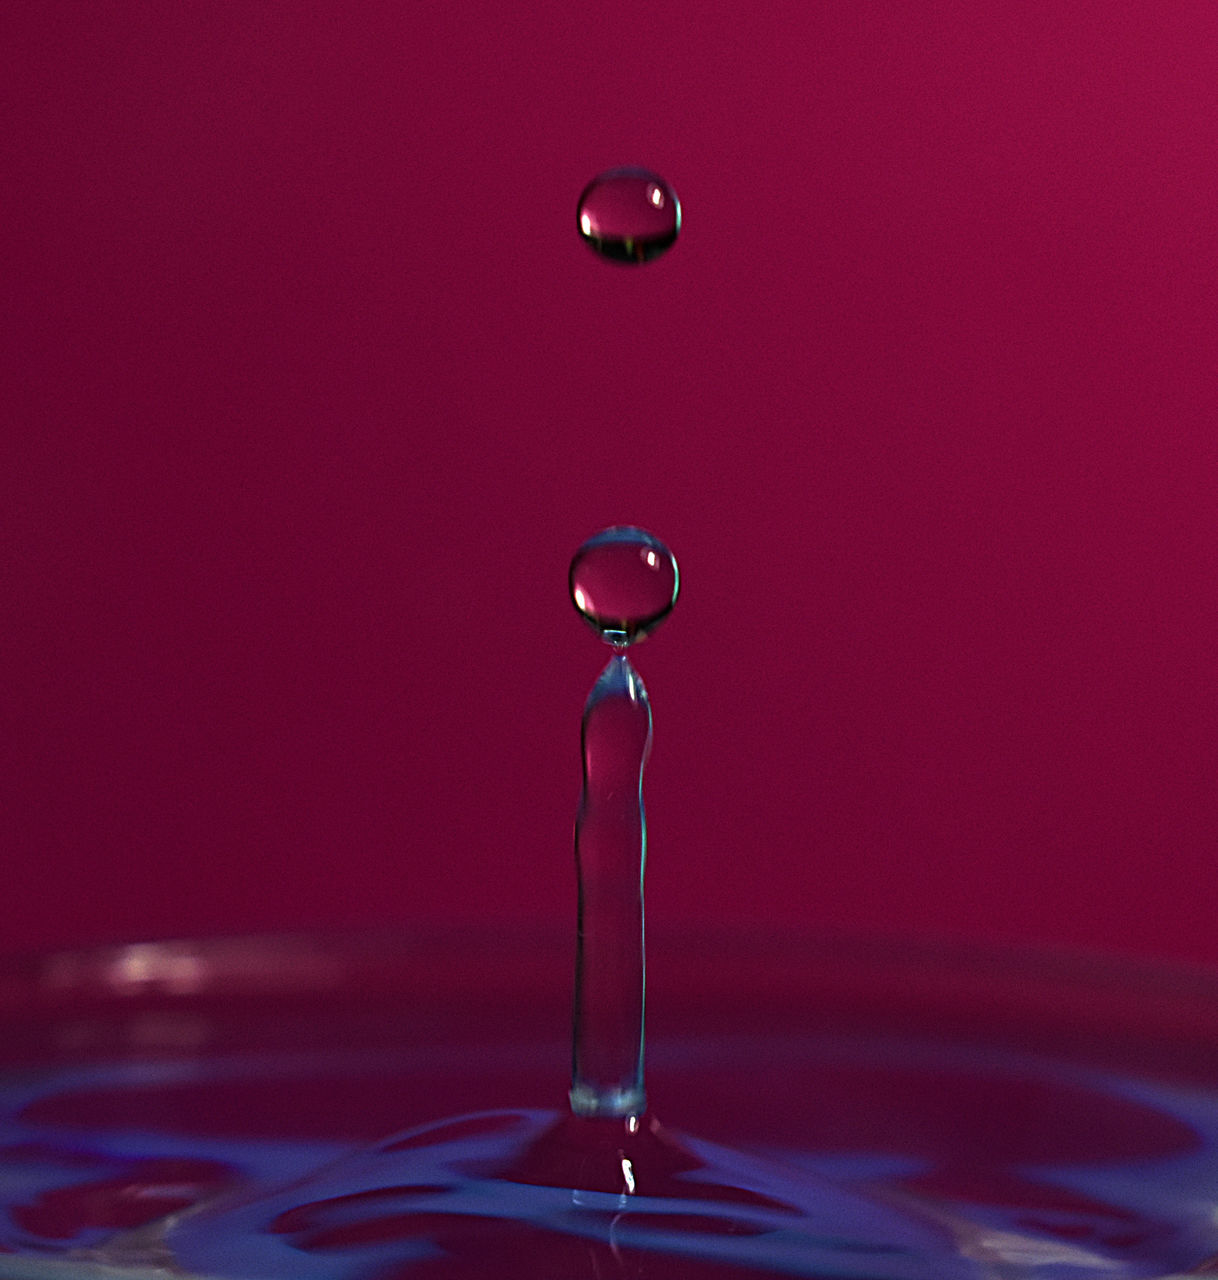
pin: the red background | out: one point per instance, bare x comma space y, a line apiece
312, 390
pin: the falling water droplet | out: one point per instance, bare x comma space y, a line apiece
624, 582
629, 215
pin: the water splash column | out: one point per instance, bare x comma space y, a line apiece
624, 583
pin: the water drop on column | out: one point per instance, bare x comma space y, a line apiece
629, 215
624, 583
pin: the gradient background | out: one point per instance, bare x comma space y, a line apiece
311, 390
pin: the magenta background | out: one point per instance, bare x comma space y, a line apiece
311, 391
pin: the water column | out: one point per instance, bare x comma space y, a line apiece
624, 583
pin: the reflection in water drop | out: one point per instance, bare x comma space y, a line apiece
629, 215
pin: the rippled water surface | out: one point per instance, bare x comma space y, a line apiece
366, 1112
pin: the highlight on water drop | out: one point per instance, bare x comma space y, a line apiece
629, 215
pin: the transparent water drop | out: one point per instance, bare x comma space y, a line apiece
624, 583
629, 215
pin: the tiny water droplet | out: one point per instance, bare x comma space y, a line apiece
624, 583
629, 215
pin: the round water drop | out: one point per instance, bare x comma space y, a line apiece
624, 583
629, 215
